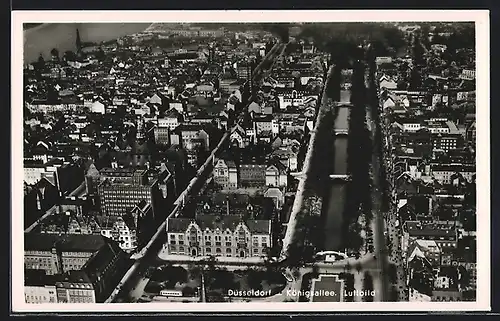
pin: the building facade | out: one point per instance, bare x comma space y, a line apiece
39, 287
40, 294
120, 193
276, 177
225, 174
252, 175
227, 236
121, 229
162, 135
75, 290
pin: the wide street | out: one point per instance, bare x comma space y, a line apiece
386, 229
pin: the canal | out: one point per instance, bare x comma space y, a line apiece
62, 36
335, 199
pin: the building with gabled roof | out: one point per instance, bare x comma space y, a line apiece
425, 249
218, 235
121, 229
276, 175
59, 253
96, 279
287, 156
225, 174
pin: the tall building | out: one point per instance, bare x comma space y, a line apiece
91, 180
244, 70
122, 188
78, 42
211, 54
162, 135
225, 174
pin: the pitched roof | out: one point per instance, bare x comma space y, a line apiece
130, 221
92, 171
284, 152
237, 128
82, 243
65, 243
278, 164
37, 278
107, 222
416, 230
172, 113
213, 222
188, 127
101, 259
418, 247
45, 182
40, 242
229, 163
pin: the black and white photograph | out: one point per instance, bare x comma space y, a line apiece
335, 160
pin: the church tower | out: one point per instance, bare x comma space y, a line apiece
78, 41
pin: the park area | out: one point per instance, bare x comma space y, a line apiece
219, 281
168, 277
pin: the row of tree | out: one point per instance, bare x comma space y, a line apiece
358, 198
307, 239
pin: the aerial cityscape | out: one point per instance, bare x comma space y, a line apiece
249, 162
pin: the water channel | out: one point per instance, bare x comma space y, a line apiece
336, 197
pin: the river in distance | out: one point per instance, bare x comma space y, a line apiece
62, 36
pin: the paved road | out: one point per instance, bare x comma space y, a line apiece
385, 222
138, 290
397, 257
294, 286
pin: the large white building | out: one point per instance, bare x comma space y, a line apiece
227, 236
40, 294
